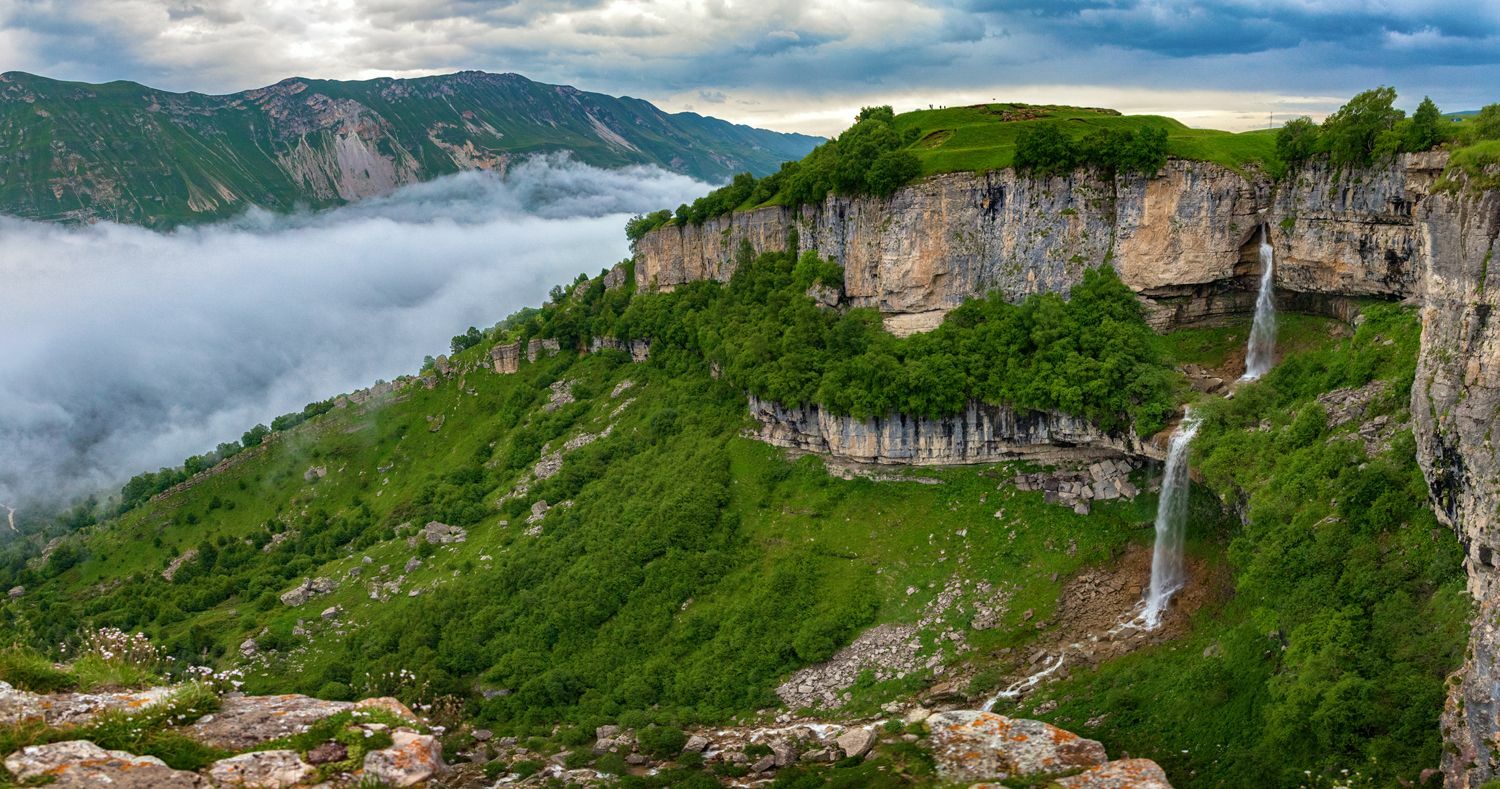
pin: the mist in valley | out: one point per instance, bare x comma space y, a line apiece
127, 350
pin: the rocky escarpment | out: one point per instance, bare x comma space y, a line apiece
1185, 239
980, 434
1455, 404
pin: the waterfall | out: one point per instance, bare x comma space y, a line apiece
1167, 574
1263, 329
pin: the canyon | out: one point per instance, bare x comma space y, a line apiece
1186, 240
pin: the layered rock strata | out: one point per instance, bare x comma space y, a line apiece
981, 434
1185, 239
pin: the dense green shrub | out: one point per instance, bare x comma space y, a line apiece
1297, 141
1048, 149
663, 742
1091, 354
639, 225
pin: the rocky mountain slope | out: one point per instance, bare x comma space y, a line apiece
128, 153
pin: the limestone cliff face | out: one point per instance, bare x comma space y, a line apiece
1185, 239
1455, 404
981, 434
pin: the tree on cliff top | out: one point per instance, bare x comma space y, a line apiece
1354, 133
1297, 141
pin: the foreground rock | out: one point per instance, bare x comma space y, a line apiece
411, 759
71, 709
261, 769
1124, 774
247, 721
982, 746
84, 764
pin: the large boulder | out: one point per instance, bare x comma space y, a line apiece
307, 590
261, 769
71, 709
857, 742
982, 746
81, 763
438, 533
1124, 774
411, 759
247, 721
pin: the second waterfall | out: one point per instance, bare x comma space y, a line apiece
1263, 330
1167, 571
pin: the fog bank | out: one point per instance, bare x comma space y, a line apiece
124, 349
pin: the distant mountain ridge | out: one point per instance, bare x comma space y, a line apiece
125, 152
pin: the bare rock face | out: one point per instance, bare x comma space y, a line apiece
79, 763
505, 358
1186, 238
1123, 774
411, 759
1454, 401
1353, 233
247, 721
981, 434
71, 709
538, 348
982, 746
262, 770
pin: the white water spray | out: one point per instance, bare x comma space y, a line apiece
1015, 689
1263, 329
1167, 575
10, 516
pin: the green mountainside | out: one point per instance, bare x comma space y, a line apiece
629, 556
125, 152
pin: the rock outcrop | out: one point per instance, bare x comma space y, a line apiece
981, 434
1454, 403
972, 746
1185, 239
247, 721
262, 770
79, 763
72, 709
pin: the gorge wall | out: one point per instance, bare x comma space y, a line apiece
1455, 405
1185, 239
1186, 242
980, 434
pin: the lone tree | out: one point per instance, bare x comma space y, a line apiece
1353, 133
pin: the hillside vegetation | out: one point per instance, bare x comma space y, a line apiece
627, 556
129, 153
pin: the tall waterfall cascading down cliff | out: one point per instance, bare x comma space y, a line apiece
1167, 574
1263, 329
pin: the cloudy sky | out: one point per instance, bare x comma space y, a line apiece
801, 64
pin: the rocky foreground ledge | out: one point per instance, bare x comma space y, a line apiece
293, 740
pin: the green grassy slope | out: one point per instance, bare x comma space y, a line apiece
983, 137
130, 153
684, 571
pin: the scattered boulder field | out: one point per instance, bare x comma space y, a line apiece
294, 740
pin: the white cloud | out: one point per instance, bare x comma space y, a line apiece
126, 349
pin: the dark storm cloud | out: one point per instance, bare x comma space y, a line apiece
1188, 29
792, 56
